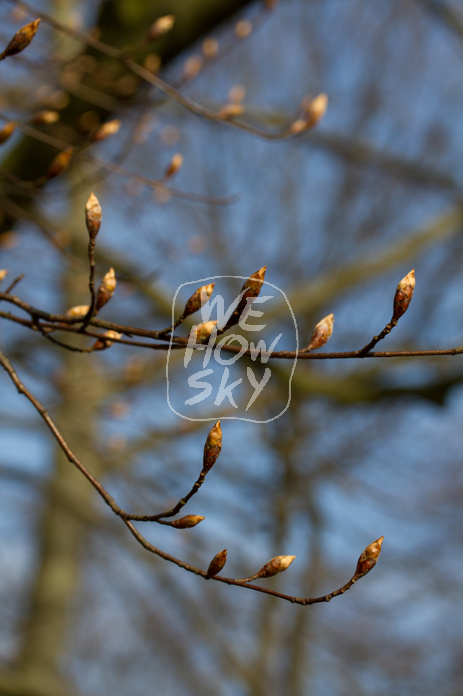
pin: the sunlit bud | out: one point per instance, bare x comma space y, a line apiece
243, 28
210, 47
192, 67
160, 27
203, 331
7, 131
322, 333
298, 126
217, 563
106, 130
77, 311
93, 215
42, 118
231, 110
403, 295
60, 163
187, 521
212, 447
3, 274
21, 39
368, 558
106, 340
275, 565
254, 283
175, 164
197, 300
106, 289
315, 110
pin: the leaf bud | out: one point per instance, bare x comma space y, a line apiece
212, 447
60, 163
77, 311
107, 340
203, 331
21, 39
93, 216
187, 521
403, 295
276, 565
7, 131
106, 289
217, 563
3, 274
198, 299
174, 165
160, 27
321, 333
368, 558
106, 130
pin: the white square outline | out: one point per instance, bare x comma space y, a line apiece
200, 283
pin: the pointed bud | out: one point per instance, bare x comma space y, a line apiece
275, 565
106, 130
192, 67
93, 216
198, 299
106, 289
160, 27
3, 274
403, 295
322, 333
212, 447
217, 563
368, 558
43, 118
77, 311
254, 283
203, 331
60, 163
7, 131
21, 39
315, 110
174, 166
187, 521
107, 340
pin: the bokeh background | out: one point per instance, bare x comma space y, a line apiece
367, 448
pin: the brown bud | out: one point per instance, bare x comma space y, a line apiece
254, 283
106, 289
187, 521
107, 340
368, 558
106, 130
322, 333
77, 311
275, 565
3, 274
174, 165
203, 331
160, 27
243, 28
21, 39
212, 447
93, 215
217, 563
42, 118
198, 299
403, 295
7, 131
60, 163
